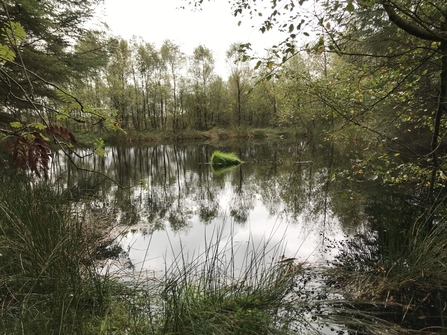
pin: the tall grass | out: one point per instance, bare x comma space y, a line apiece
219, 158
215, 293
48, 283
400, 280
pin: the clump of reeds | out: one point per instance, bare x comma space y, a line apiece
211, 294
48, 283
219, 158
399, 283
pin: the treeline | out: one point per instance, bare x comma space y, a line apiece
165, 89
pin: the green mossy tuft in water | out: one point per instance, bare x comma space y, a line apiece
222, 159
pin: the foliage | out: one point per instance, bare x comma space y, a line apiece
391, 275
219, 158
383, 74
48, 281
39, 57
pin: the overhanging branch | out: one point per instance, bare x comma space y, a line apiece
434, 35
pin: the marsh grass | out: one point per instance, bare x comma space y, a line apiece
399, 280
48, 284
213, 293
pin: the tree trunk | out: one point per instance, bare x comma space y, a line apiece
442, 100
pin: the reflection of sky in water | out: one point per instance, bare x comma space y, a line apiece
272, 235
268, 235
286, 206
172, 208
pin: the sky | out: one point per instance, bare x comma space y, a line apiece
158, 20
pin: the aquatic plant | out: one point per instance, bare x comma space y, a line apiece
395, 279
220, 159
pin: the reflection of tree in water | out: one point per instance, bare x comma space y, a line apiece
243, 196
129, 214
178, 220
208, 213
204, 192
239, 213
168, 185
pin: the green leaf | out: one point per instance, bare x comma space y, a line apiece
99, 147
13, 32
16, 124
65, 97
6, 54
61, 116
350, 7
38, 125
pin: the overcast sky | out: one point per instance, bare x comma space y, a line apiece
157, 20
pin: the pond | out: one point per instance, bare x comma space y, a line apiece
165, 209
165, 200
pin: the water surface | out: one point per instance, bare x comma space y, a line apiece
167, 201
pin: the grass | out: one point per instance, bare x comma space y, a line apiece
207, 295
214, 293
49, 283
396, 279
222, 159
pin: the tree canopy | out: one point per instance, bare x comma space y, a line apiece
44, 49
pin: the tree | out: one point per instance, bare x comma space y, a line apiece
38, 64
119, 74
202, 71
148, 60
174, 60
239, 84
428, 23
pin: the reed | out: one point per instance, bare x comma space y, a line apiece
396, 279
48, 283
214, 293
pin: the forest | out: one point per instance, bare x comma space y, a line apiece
368, 76
373, 71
